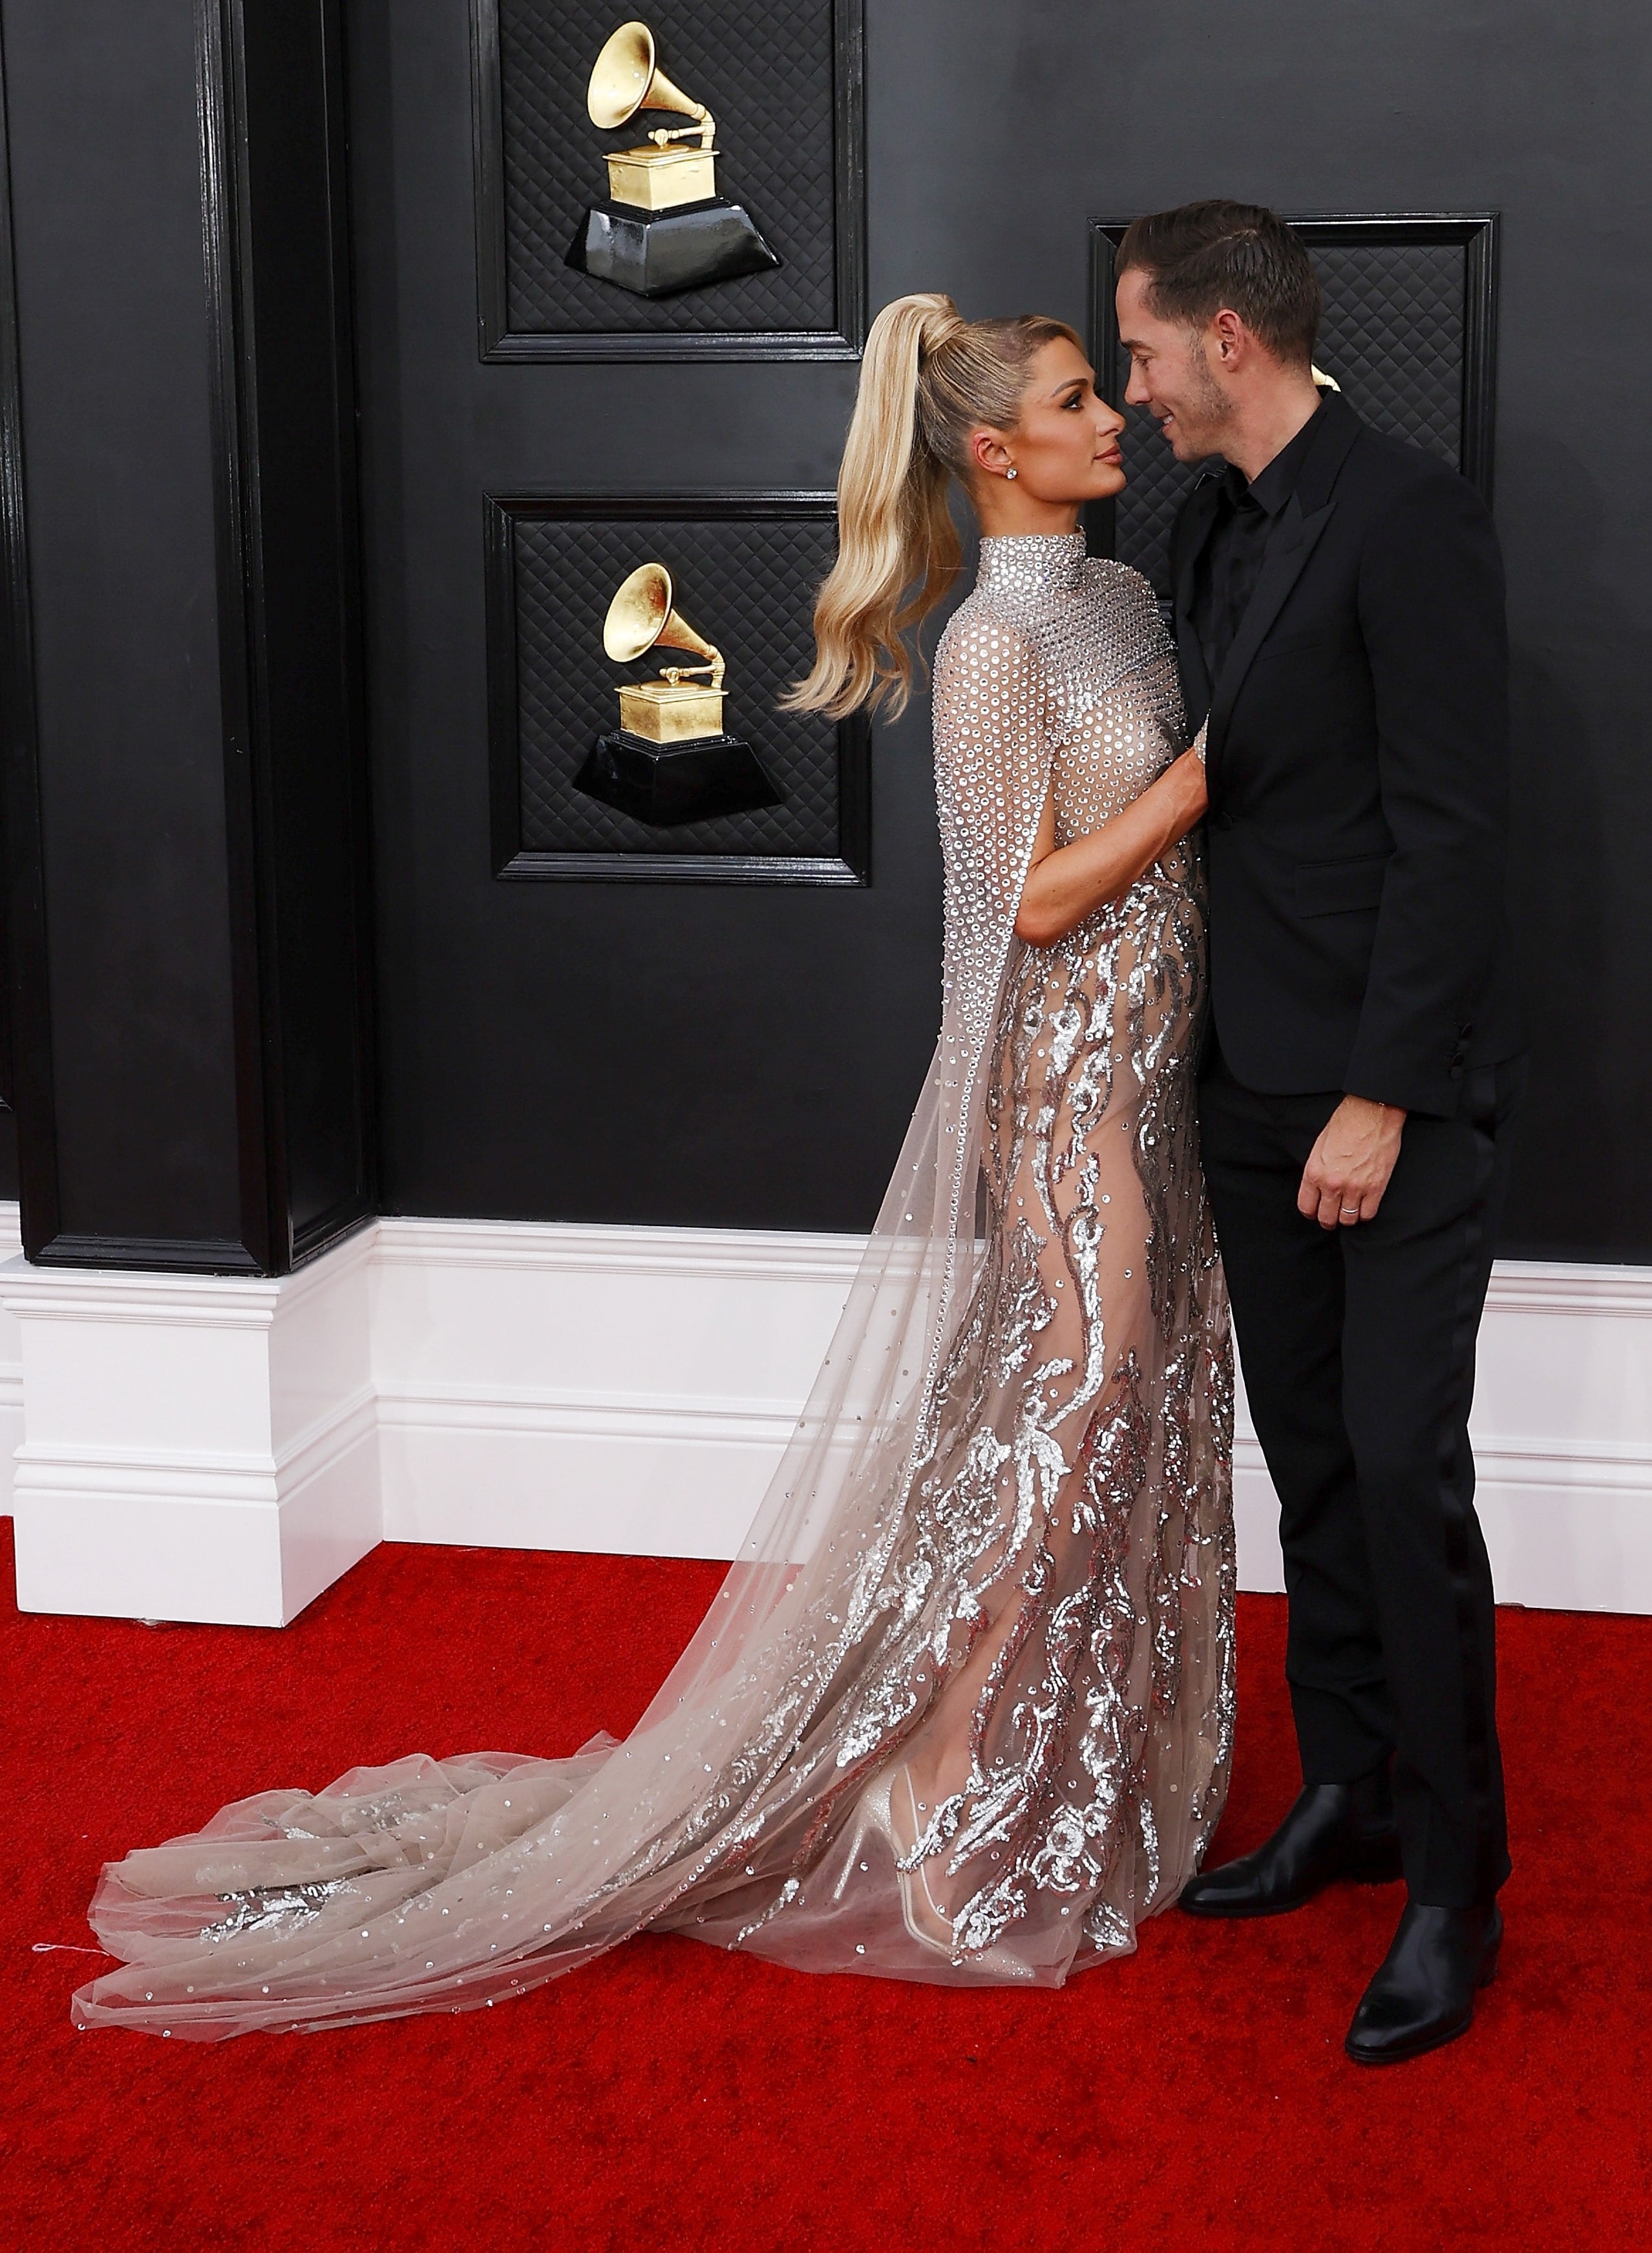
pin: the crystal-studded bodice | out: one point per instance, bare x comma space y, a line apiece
1055, 675
1105, 688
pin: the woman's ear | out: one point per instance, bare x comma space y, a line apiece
988, 452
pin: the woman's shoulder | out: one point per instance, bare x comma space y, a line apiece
1130, 611
991, 634
982, 630
1121, 585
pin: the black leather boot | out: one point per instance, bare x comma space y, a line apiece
1423, 1994
1334, 1830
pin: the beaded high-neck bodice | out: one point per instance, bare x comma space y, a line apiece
1109, 694
1031, 565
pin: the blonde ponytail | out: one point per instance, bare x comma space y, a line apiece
928, 379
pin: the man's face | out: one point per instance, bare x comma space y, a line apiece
1170, 373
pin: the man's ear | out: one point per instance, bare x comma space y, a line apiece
1230, 339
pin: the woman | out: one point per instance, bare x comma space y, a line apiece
963, 1709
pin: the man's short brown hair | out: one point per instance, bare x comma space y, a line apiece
1202, 257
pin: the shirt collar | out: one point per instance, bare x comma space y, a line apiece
1271, 487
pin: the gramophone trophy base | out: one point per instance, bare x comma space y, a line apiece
656, 255
668, 783
670, 712
661, 179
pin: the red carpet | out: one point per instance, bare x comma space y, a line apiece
1194, 2097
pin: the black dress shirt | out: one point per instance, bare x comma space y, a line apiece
1231, 563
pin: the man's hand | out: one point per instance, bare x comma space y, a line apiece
1348, 1167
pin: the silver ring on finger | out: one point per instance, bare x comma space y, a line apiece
1347, 1212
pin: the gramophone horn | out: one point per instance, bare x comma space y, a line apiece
626, 80
641, 614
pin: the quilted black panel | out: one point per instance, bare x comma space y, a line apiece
764, 68
1392, 336
747, 585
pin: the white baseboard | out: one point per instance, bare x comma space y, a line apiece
199, 1448
615, 1389
10, 1361
645, 1381
194, 1447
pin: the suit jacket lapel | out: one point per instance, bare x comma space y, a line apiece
1293, 541
1193, 530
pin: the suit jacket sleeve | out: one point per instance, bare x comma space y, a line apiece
1431, 602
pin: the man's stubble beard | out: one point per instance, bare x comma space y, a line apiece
1213, 409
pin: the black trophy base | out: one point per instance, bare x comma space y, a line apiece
668, 783
656, 253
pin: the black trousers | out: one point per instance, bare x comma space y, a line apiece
1358, 1346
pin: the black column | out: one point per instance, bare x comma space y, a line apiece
185, 813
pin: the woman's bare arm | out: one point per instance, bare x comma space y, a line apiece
1064, 885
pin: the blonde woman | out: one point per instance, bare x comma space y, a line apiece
963, 1709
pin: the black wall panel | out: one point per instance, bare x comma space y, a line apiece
119, 490
744, 568
715, 1054
25, 1044
782, 79
772, 1042
186, 851
699, 1053
1408, 107
289, 600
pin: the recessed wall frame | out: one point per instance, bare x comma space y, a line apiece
1409, 333
539, 163
746, 567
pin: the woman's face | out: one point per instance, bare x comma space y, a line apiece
1065, 447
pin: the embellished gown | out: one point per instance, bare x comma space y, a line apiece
999, 1544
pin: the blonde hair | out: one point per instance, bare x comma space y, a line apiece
928, 378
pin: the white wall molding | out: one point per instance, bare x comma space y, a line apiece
194, 1447
216, 1447
10, 1359
704, 1254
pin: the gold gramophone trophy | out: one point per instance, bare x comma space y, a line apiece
670, 761
664, 227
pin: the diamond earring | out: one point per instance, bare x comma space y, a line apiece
1011, 471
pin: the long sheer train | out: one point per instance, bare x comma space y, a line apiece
962, 1709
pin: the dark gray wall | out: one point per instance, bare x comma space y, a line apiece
995, 128
663, 1053
186, 807
119, 487
689, 1054
697, 1056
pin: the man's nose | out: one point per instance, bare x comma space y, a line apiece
1135, 390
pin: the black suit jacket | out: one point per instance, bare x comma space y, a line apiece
1357, 758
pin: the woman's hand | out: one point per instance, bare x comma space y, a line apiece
1064, 885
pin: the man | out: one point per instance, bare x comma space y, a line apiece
1338, 613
